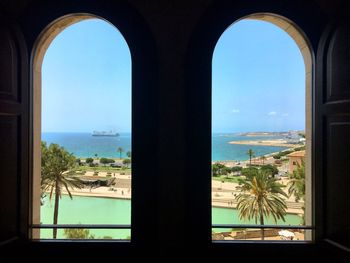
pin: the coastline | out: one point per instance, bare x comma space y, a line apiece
276, 143
216, 203
223, 195
243, 163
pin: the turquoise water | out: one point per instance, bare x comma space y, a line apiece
95, 210
231, 216
85, 145
222, 150
88, 210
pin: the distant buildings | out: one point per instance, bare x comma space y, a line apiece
295, 137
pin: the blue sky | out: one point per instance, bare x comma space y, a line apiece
258, 80
86, 80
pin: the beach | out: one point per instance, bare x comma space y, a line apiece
278, 143
223, 193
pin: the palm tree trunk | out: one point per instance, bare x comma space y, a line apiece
55, 213
262, 223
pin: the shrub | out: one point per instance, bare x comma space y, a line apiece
126, 161
269, 169
276, 156
106, 160
77, 233
236, 169
220, 169
251, 171
89, 160
284, 153
299, 148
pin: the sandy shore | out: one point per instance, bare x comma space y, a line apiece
279, 143
245, 163
223, 194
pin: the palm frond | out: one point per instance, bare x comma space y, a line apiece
261, 196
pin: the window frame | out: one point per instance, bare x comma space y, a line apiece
41, 46
303, 44
142, 49
218, 18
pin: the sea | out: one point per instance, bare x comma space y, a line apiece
84, 145
118, 211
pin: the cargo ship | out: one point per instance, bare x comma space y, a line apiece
105, 133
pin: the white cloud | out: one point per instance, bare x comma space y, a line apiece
272, 113
235, 111
285, 114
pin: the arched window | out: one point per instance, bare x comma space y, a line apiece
81, 131
261, 131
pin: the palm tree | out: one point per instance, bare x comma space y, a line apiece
56, 164
261, 196
263, 159
296, 185
251, 154
128, 153
120, 150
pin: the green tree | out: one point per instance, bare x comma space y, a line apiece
261, 196
103, 160
56, 164
236, 169
249, 172
106, 160
89, 160
251, 154
226, 170
120, 150
263, 159
219, 169
277, 156
78, 233
127, 162
128, 153
269, 169
296, 184
301, 148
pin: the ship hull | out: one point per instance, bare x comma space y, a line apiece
102, 135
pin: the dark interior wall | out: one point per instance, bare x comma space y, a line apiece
332, 120
13, 132
171, 44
